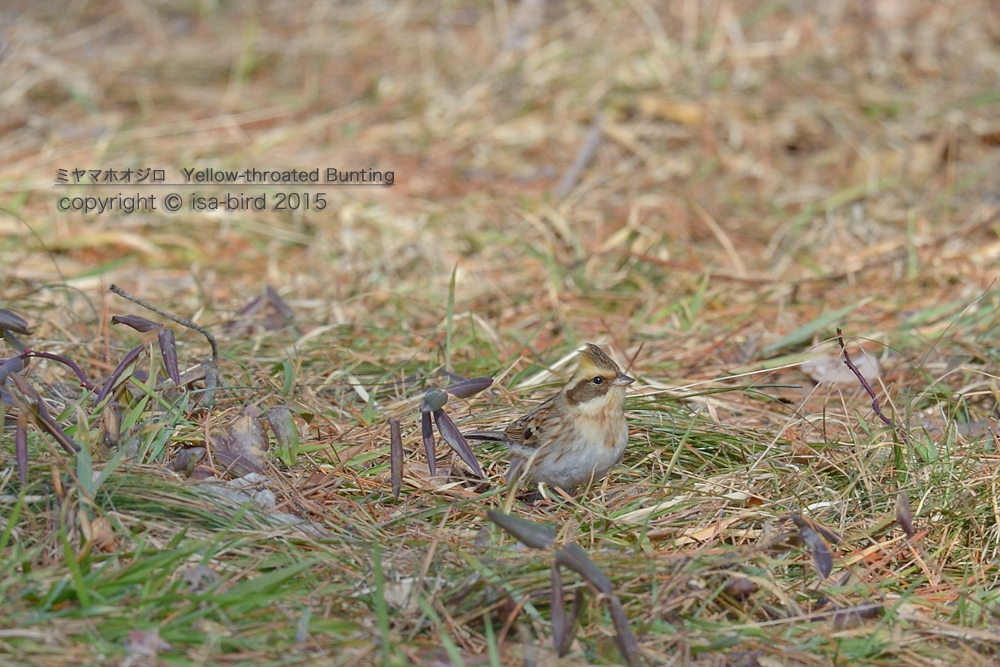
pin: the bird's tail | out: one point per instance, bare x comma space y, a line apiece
489, 436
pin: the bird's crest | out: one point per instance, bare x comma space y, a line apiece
593, 360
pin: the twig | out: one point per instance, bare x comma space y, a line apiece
631, 361
721, 236
861, 379
183, 321
65, 361
583, 158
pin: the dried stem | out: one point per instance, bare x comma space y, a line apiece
583, 158
861, 379
65, 361
183, 321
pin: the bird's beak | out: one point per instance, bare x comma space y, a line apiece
622, 380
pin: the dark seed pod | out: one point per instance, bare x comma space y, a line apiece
140, 324
395, 457
433, 400
279, 304
168, 350
9, 336
534, 535
471, 387
12, 365
13, 322
427, 432
116, 374
457, 441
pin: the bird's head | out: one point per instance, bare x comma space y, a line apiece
597, 380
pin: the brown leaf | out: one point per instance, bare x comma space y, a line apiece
828, 535
102, 535
248, 434
904, 517
203, 472
990, 137
739, 588
111, 422
282, 424
244, 446
237, 465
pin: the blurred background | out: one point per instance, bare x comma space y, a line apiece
708, 188
767, 152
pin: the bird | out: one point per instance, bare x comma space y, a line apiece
576, 436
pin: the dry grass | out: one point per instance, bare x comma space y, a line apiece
763, 172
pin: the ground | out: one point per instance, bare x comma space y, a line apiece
707, 189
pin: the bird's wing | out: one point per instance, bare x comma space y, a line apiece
521, 433
527, 432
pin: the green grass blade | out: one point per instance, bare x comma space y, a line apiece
381, 608
806, 332
449, 319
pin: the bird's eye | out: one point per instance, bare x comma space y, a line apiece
598, 380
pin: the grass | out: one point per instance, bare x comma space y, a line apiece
764, 174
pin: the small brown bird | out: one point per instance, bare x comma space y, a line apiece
576, 436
